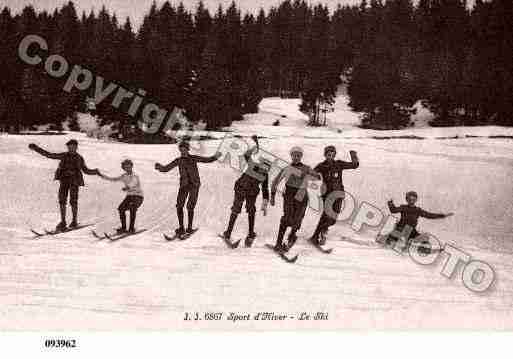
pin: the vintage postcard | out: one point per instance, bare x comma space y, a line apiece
255, 165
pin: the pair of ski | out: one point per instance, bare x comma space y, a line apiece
294, 259
181, 237
234, 245
55, 232
116, 236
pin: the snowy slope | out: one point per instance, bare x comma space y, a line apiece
73, 281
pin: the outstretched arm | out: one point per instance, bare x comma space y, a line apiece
167, 167
53, 156
430, 215
88, 171
209, 159
108, 178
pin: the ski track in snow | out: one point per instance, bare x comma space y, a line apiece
73, 281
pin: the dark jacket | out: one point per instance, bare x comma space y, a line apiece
188, 168
331, 172
70, 168
254, 176
410, 214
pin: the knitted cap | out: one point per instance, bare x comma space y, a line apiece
296, 149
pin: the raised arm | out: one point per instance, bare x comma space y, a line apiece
167, 167
53, 156
392, 207
355, 163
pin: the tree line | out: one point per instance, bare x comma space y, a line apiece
218, 66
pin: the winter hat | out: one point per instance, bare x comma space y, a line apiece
184, 144
127, 162
296, 149
72, 142
329, 148
412, 194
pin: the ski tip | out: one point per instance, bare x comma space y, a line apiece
37, 234
96, 235
168, 238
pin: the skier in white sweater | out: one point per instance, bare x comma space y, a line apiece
134, 195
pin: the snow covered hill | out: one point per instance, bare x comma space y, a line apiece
343, 123
73, 281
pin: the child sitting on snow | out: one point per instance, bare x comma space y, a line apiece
409, 217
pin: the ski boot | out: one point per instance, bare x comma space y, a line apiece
73, 224
180, 231
280, 247
189, 230
249, 239
121, 230
61, 227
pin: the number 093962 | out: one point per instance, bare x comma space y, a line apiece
60, 343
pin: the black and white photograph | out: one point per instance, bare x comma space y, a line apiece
269, 165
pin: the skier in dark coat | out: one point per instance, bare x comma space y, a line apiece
69, 174
246, 189
409, 217
189, 183
295, 197
331, 172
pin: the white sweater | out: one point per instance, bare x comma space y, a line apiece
131, 181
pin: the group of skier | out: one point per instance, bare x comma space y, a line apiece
297, 176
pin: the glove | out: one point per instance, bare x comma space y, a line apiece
264, 206
158, 166
32, 146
